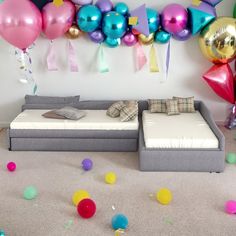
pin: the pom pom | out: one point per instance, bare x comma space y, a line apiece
119, 221
11, 166
86, 208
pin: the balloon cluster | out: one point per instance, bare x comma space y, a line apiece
104, 21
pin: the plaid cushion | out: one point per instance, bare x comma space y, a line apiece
157, 105
114, 110
172, 107
186, 105
129, 112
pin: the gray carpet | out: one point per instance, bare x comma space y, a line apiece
197, 207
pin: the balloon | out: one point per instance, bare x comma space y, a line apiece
135, 32
200, 16
97, 36
112, 43
79, 196
86, 208
121, 8
129, 39
82, 2
162, 37
183, 35
231, 119
20, 22
73, 32
89, 18
110, 177
104, 5
87, 164
146, 40
11, 166
30, 193
164, 196
57, 20
40, 4
114, 25
220, 79
174, 18
218, 40
212, 2
153, 20
119, 221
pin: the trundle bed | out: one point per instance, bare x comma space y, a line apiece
198, 145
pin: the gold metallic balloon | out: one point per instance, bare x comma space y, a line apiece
73, 32
218, 40
146, 40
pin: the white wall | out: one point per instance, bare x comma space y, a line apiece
122, 82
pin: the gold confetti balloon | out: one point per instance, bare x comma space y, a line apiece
73, 32
218, 40
146, 40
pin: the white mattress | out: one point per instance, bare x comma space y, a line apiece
94, 120
187, 130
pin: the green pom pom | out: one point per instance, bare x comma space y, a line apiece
231, 158
30, 193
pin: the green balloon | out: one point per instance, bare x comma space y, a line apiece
234, 14
30, 193
231, 158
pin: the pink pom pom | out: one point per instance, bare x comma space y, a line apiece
11, 166
230, 207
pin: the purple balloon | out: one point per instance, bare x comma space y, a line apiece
205, 8
104, 5
87, 164
183, 35
174, 18
97, 36
212, 2
82, 2
129, 39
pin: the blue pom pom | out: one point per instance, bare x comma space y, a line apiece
119, 221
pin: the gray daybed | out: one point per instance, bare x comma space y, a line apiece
150, 159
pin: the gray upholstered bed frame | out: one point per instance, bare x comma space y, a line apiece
210, 160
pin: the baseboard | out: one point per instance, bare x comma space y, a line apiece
4, 124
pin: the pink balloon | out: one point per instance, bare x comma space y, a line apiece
174, 18
20, 22
57, 20
129, 39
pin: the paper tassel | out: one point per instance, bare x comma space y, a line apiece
153, 61
102, 64
51, 58
167, 60
118, 232
72, 59
140, 56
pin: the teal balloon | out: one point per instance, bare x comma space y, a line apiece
114, 25
153, 20
89, 18
121, 8
112, 43
162, 37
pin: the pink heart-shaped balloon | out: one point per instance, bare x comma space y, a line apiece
220, 78
57, 19
20, 22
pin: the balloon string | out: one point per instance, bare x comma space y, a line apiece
140, 56
72, 60
153, 61
102, 64
167, 60
51, 58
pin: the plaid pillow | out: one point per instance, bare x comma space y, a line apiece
185, 104
114, 110
157, 105
129, 113
172, 107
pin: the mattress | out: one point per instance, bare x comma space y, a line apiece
187, 130
94, 120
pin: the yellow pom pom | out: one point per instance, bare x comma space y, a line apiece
164, 196
79, 195
110, 178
